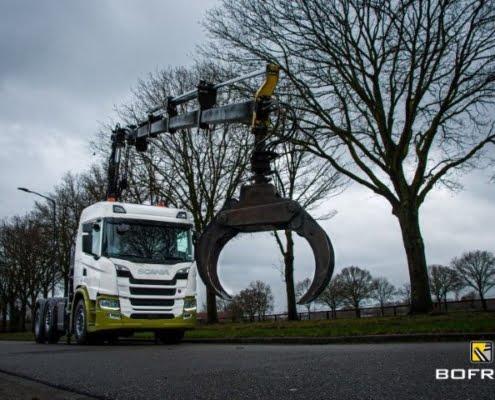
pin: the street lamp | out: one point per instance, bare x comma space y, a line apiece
54, 223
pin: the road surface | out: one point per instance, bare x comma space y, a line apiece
216, 371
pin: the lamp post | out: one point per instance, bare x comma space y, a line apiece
54, 228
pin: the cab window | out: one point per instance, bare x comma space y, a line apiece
91, 237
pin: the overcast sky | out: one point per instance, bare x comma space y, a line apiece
63, 67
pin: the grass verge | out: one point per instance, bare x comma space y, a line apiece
446, 323
23, 336
458, 322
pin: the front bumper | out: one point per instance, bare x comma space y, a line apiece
107, 319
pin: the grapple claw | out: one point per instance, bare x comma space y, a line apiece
208, 249
261, 209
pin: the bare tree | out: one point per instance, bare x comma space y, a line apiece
256, 299
383, 292
405, 293
234, 308
397, 94
74, 193
442, 281
357, 286
332, 296
477, 269
458, 286
301, 288
8, 271
248, 304
190, 169
264, 298
471, 295
26, 259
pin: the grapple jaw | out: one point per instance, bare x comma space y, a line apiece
261, 209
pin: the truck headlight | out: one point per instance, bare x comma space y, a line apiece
109, 304
190, 304
122, 271
182, 273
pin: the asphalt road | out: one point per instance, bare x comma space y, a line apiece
216, 371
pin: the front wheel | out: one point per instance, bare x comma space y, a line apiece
39, 326
80, 326
169, 336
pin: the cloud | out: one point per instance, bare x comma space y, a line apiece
64, 67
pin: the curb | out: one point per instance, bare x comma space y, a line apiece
398, 338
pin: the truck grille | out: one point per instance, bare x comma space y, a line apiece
152, 316
151, 291
153, 302
135, 281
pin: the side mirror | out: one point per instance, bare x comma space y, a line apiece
96, 227
194, 237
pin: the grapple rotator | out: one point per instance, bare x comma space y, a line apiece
261, 209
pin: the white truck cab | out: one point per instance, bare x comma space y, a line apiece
133, 270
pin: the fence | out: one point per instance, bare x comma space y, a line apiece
366, 312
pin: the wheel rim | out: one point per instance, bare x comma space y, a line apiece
80, 322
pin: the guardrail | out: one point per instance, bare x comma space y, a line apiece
366, 312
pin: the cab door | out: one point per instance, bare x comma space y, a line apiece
90, 256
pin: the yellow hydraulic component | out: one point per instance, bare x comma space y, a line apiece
266, 90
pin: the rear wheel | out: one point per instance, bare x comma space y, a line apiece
39, 326
50, 324
169, 336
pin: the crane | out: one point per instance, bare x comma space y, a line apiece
259, 207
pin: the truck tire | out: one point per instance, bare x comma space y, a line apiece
39, 326
169, 336
80, 324
50, 323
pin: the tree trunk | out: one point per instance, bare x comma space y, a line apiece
4, 318
289, 277
483, 301
211, 307
22, 319
357, 310
415, 251
12, 315
382, 308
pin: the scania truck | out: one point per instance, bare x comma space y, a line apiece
133, 270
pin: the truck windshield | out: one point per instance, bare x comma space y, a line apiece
147, 241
